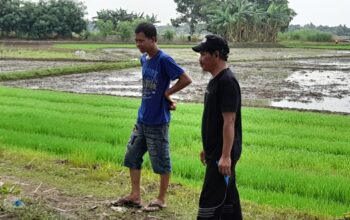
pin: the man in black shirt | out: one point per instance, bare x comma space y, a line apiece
221, 133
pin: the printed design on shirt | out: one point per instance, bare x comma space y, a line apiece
149, 82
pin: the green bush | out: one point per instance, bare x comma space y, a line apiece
306, 35
169, 35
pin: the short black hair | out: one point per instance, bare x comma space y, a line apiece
148, 29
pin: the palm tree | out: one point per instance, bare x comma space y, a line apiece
258, 21
243, 16
221, 22
279, 16
244, 20
231, 18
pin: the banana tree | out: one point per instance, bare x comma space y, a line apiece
279, 16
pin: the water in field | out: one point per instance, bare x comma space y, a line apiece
301, 83
19, 65
325, 104
318, 90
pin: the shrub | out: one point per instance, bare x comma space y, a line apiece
169, 35
306, 35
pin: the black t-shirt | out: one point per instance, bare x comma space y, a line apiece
223, 94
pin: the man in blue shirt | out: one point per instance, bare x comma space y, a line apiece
151, 130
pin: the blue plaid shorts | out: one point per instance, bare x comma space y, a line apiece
153, 139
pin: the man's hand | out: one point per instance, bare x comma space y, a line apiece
225, 166
202, 158
184, 80
172, 103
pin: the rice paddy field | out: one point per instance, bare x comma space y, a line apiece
291, 160
62, 152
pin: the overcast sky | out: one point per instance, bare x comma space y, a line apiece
319, 12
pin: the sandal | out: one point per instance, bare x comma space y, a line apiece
126, 202
153, 207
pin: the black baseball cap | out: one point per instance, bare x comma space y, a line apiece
212, 43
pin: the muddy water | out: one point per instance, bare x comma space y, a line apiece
19, 65
288, 78
317, 89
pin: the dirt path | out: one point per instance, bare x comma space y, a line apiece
42, 201
56, 189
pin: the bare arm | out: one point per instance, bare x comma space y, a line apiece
184, 80
228, 138
202, 157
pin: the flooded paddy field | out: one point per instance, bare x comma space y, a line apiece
309, 79
20, 65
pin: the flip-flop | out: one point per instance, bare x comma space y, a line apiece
153, 207
126, 203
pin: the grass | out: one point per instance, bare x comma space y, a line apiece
306, 35
65, 70
283, 43
75, 184
10, 53
92, 46
84, 188
290, 160
316, 45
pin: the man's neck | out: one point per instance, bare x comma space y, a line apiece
152, 52
218, 68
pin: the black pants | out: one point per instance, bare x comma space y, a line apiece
219, 200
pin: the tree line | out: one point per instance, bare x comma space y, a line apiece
340, 30
120, 22
236, 20
59, 19
41, 20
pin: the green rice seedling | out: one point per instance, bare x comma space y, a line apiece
11, 53
65, 70
294, 160
294, 202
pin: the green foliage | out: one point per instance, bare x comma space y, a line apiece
316, 45
340, 30
9, 16
41, 20
229, 18
6, 189
37, 73
169, 35
237, 20
306, 35
125, 30
190, 13
117, 16
85, 34
120, 22
10, 53
105, 27
290, 159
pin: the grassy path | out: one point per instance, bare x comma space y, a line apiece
52, 187
66, 70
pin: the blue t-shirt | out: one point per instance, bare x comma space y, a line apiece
156, 75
